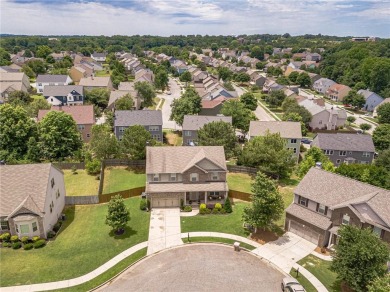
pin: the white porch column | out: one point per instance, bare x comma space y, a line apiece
205, 198
330, 240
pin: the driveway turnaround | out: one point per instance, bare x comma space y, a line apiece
164, 229
199, 267
285, 251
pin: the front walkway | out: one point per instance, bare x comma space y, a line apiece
164, 229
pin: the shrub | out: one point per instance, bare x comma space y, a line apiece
6, 244
143, 204
74, 169
24, 239
204, 211
202, 207
228, 206
218, 206
93, 166
28, 246
14, 238
215, 211
57, 226
17, 245
223, 211
35, 238
187, 209
40, 243
5, 236
51, 234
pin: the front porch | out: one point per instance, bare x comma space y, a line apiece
197, 198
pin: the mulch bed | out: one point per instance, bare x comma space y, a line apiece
263, 237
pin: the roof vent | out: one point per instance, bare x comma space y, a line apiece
319, 165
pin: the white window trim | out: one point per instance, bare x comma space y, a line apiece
156, 177
194, 177
344, 221
342, 153
321, 209
172, 177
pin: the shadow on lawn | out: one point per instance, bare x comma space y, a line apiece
128, 232
69, 212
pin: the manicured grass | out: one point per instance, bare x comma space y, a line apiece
288, 196
80, 184
173, 138
156, 100
219, 240
303, 281
239, 182
103, 73
84, 243
321, 270
108, 274
229, 223
120, 179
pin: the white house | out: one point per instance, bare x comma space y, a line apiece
99, 57
43, 80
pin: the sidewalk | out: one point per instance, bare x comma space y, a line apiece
310, 277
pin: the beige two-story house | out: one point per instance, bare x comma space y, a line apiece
188, 175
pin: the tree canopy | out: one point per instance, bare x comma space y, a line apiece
98, 97
381, 137
103, 142
134, 142
146, 93
384, 113
249, 101
312, 156
124, 103
189, 104
240, 114
118, 214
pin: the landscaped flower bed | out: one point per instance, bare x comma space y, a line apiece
16, 243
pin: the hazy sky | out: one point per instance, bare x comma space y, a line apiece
213, 17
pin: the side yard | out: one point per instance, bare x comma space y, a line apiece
121, 178
80, 184
84, 243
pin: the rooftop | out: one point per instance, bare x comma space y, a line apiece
52, 78
193, 123
138, 117
82, 114
345, 141
289, 130
62, 90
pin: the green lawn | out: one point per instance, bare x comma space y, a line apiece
156, 100
80, 184
121, 178
303, 281
173, 138
84, 243
219, 240
239, 182
321, 270
229, 223
103, 73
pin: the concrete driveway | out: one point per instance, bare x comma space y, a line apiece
164, 229
199, 267
286, 250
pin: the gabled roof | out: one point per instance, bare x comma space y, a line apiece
344, 141
311, 107
62, 90
206, 103
366, 93
11, 76
139, 117
181, 158
194, 123
288, 130
323, 82
95, 81
47, 78
82, 114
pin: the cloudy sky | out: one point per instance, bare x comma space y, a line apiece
212, 17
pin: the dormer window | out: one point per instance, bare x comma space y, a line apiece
194, 177
303, 201
156, 177
346, 219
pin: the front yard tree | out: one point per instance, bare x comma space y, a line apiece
218, 133
293, 76
19, 97
267, 203
103, 143
312, 156
134, 142
118, 215
276, 98
37, 104
354, 99
240, 114
268, 154
351, 119
161, 79
58, 136
43, 51
365, 127
304, 80
224, 73
146, 92
249, 101
380, 284
124, 103
384, 113
185, 77
189, 104
360, 257
383, 159
98, 97
381, 137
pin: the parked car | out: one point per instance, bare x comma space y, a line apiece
290, 284
306, 141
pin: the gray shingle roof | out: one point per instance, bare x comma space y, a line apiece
193, 123
95, 81
309, 216
348, 142
62, 90
140, 117
52, 78
180, 187
289, 130
311, 107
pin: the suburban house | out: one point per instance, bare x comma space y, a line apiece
90, 83
32, 198
386, 100
346, 148
193, 175
322, 85
12, 81
337, 92
212, 107
313, 57
322, 118
118, 94
290, 131
99, 57
191, 125
64, 94
53, 80
372, 99
325, 201
78, 72
149, 119
83, 115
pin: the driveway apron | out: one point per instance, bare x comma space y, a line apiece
164, 230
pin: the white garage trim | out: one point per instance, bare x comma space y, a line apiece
304, 231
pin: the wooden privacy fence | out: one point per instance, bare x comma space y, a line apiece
69, 165
105, 198
239, 195
125, 162
81, 200
242, 169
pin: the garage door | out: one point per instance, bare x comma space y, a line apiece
304, 231
165, 202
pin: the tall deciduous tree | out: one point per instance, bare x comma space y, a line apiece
16, 128
257, 52
240, 114
384, 113
124, 103
103, 143
381, 137
293, 76
146, 92
360, 257
276, 98
267, 204
383, 159
58, 136
134, 142
118, 214
98, 97
189, 104
36, 105
304, 80
43, 52
354, 99
365, 127
312, 156
185, 77
161, 79
224, 73
249, 101
218, 134
269, 154
19, 97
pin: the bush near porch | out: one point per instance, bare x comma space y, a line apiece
84, 243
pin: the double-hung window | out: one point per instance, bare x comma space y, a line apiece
187, 133
156, 177
328, 152
343, 153
321, 209
194, 177
346, 219
173, 177
34, 226
293, 141
153, 128
366, 154
303, 201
